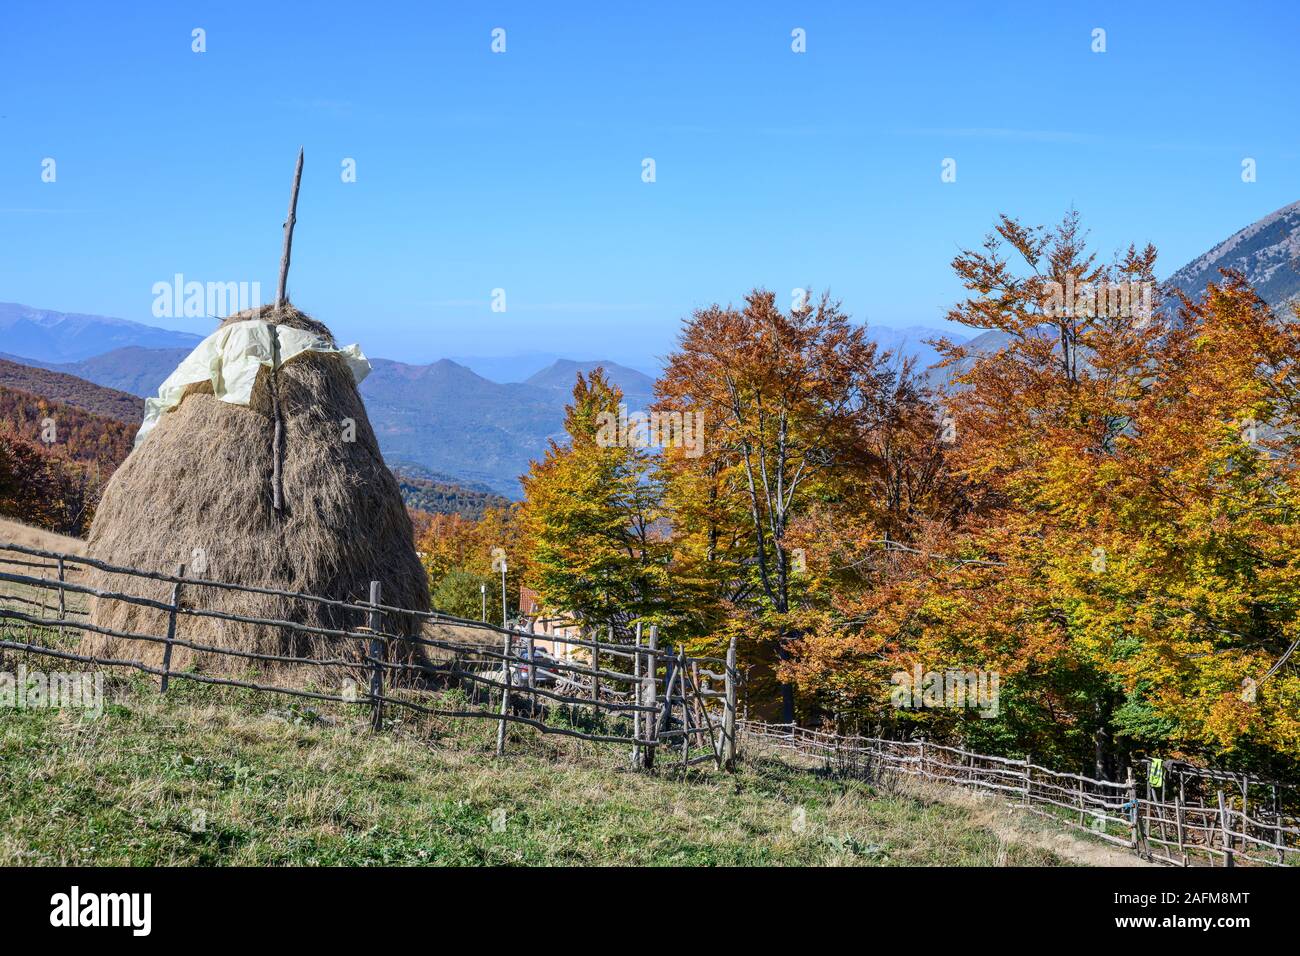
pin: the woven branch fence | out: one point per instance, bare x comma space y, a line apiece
655, 701
635, 693
1195, 816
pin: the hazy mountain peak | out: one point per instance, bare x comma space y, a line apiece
562, 373
49, 336
443, 370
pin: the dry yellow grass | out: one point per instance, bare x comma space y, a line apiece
15, 532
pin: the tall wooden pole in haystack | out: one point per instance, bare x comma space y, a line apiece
277, 453
288, 234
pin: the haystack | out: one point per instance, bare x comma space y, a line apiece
199, 486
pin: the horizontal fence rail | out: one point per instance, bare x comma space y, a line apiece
1195, 816
637, 693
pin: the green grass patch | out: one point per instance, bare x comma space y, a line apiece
218, 776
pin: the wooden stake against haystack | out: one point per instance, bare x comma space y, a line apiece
288, 234
277, 442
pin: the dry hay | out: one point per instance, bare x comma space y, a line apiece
201, 482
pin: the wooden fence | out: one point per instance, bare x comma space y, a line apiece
652, 698
1195, 815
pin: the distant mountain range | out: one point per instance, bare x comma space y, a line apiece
99, 424
520, 366
443, 423
70, 337
450, 419
443, 427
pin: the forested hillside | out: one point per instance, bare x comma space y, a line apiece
55, 460
68, 431
74, 391
438, 497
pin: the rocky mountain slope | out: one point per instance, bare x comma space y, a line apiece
1267, 252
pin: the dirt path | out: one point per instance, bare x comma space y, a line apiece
1010, 824
1014, 825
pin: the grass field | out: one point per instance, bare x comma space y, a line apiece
215, 776
221, 776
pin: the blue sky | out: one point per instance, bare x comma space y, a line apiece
522, 170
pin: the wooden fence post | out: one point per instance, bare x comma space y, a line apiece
729, 710
377, 656
40, 594
1131, 793
1141, 819
1278, 837
638, 698
665, 715
1245, 813
63, 607
595, 677
505, 692
1182, 802
171, 624
1164, 827
1225, 828
1150, 795
1178, 825
686, 706
695, 683
652, 697
532, 676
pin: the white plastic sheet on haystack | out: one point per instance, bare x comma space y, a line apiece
230, 357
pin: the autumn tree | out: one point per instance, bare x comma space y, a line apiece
24, 480
1078, 338
781, 395
43, 486
589, 512
1125, 559
459, 554
1191, 601
867, 545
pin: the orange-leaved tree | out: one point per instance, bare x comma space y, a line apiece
459, 555
1129, 570
781, 396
